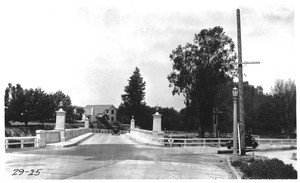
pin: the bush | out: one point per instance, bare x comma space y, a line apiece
237, 163
266, 169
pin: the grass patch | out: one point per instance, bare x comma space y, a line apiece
260, 167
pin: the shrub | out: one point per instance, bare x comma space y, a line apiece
236, 163
252, 160
269, 169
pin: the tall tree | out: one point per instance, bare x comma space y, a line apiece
58, 97
78, 113
199, 68
135, 95
38, 105
15, 104
170, 119
123, 115
284, 93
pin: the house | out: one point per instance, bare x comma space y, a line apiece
94, 111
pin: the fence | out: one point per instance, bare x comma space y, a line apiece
44, 137
219, 141
106, 131
174, 132
13, 141
179, 133
277, 141
229, 135
194, 141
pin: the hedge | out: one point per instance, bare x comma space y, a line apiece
265, 169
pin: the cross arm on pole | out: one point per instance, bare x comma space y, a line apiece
249, 62
236, 63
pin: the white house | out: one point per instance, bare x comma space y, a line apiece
92, 111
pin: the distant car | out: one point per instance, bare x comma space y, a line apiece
250, 142
115, 131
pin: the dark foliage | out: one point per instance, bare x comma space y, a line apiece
265, 169
133, 99
25, 105
199, 69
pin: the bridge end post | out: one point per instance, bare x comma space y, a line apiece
41, 138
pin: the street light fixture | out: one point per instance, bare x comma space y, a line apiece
235, 93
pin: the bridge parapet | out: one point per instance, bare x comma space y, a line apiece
72, 133
146, 135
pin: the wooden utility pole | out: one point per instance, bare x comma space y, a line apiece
241, 92
216, 113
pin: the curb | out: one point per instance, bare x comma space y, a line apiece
78, 142
233, 170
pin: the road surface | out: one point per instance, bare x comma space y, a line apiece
104, 156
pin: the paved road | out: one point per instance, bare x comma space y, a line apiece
104, 156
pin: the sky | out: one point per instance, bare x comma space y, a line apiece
89, 49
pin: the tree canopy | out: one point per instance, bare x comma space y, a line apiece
198, 70
24, 105
284, 93
134, 97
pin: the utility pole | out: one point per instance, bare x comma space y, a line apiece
241, 92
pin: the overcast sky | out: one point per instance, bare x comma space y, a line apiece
89, 49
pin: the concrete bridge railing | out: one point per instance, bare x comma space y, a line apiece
72, 133
146, 134
44, 137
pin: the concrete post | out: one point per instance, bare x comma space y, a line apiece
132, 124
41, 138
60, 123
86, 123
156, 124
60, 120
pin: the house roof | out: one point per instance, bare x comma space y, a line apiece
100, 107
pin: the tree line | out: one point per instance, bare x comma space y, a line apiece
24, 105
265, 113
203, 72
